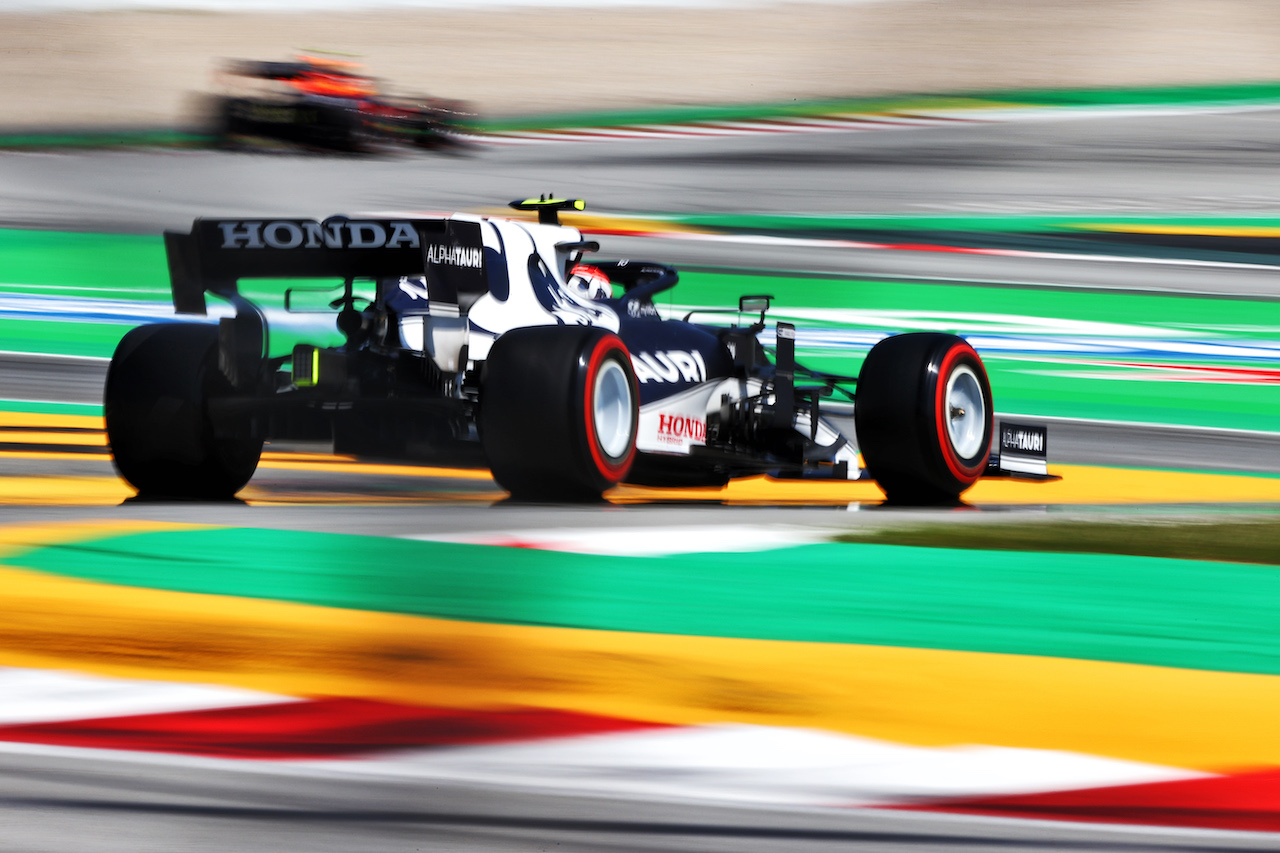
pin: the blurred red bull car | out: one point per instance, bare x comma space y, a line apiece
327, 104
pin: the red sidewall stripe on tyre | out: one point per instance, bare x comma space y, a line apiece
959, 470
613, 472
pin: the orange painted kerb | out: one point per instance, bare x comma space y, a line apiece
1080, 484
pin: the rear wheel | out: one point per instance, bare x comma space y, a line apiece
164, 439
923, 417
223, 123
559, 411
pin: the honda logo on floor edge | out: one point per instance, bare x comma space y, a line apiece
682, 427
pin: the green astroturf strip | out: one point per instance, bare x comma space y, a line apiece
74, 264
79, 266
103, 139
1147, 309
84, 339
51, 408
1176, 613
129, 266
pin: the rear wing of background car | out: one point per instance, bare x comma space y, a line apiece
266, 70
218, 253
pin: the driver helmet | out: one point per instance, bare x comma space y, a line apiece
589, 281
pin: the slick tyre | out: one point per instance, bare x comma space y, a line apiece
923, 417
559, 410
223, 124
164, 440
339, 129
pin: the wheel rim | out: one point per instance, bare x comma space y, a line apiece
611, 410
966, 412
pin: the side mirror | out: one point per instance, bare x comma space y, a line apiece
757, 304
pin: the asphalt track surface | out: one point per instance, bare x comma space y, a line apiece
1202, 163
1205, 162
80, 380
109, 805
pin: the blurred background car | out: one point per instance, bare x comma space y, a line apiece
321, 102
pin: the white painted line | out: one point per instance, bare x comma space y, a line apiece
53, 403
41, 696
312, 770
53, 356
764, 765
643, 541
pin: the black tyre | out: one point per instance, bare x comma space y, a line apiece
559, 410
164, 441
221, 121
923, 417
339, 129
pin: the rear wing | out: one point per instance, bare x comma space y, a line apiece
219, 252
267, 70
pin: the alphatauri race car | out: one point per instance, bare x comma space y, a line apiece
474, 346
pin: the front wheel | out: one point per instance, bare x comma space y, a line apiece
559, 410
923, 417
164, 439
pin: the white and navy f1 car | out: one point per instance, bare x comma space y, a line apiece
476, 349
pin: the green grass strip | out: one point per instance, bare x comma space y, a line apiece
1253, 541
124, 138
1123, 96
1176, 613
1153, 310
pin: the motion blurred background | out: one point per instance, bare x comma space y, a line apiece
71, 63
378, 658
